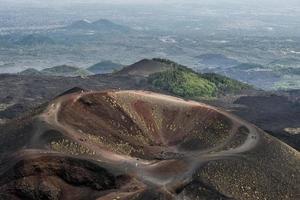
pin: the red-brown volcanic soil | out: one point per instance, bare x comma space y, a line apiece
141, 145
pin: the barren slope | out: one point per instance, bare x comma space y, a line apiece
141, 145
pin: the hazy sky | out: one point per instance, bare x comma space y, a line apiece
129, 10
270, 2
277, 6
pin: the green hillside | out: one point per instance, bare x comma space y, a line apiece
225, 84
185, 82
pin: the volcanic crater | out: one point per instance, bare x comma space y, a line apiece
141, 145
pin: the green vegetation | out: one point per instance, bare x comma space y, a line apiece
225, 84
184, 82
169, 62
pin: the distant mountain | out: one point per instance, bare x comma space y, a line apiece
217, 60
65, 70
277, 69
105, 67
35, 39
248, 66
279, 74
146, 67
253, 74
286, 62
106, 25
100, 25
30, 72
80, 24
176, 79
61, 70
288, 70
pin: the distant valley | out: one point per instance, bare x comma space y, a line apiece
83, 43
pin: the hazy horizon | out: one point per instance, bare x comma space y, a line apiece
36, 34
262, 10
199, 2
